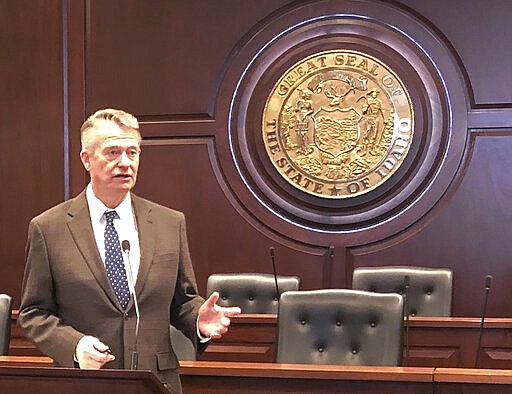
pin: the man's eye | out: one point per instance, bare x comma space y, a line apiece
132, 153
112, 153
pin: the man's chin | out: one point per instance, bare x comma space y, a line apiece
124, 184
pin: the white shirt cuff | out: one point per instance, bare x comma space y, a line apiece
201, 337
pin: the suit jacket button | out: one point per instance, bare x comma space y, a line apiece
125, 315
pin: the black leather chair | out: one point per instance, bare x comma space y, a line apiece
340, 326
253, 292
429, 292
182, 345
5, 323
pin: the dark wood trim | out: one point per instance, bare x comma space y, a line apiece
197, 127
470, 375
76, 42
490, 118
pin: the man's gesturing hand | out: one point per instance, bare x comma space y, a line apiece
213, 320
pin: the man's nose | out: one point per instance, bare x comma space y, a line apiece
124, 160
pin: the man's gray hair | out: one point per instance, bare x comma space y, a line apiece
121, 118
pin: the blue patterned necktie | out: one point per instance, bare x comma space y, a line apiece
114, 260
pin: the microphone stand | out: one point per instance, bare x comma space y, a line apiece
488, 280
273, 257
406, 309
131, 284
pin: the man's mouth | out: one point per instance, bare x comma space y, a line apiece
123, 176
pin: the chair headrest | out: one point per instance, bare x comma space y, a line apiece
429, 292
252, 292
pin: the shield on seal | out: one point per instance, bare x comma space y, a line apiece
336, 130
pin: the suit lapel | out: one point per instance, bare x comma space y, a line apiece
79, 224
147, 238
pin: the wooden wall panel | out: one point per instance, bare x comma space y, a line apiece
163, 58
475, 29
31, 126
166, 61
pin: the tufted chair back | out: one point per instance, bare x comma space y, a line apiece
253, 292
340, 326
429, 293
5, 323
182, 345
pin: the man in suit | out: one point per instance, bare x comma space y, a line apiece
77, 303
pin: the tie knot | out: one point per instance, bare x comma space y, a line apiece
110, 216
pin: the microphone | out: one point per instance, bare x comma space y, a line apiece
330, 266
407, 281
273, 258
125, 245
327, 269
488, 281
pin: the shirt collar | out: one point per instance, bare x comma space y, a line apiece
97, 208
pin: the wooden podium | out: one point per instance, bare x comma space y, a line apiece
29, 380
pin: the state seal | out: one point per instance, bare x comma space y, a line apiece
338, 124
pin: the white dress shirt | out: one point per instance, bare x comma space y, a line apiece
126, 227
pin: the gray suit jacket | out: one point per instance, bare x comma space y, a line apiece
66, 293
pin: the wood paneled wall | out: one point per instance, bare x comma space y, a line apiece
32, 170
173, 64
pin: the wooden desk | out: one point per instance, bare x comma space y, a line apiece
249, 378
199, 377
225, 377
453, 341
436, 342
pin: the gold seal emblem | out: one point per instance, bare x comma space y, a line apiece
338, 124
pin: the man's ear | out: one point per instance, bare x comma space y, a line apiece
86, 159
